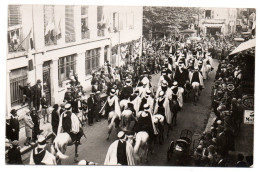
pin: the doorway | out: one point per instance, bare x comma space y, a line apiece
47, 80
213, 30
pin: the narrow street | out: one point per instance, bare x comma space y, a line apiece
192, 117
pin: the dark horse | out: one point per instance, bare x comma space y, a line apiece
174, 107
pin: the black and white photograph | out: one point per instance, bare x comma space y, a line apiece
143, 85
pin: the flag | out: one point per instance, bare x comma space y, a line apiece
27, 42
58, 31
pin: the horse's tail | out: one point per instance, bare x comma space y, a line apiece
110, 126
59, 153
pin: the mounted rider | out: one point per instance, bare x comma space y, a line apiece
147, 100
112, 104
162, 106
181, 74
127, 90
70, 124
196, 78
177, 93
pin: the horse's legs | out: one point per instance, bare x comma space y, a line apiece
76, 152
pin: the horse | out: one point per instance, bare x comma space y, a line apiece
196, 91
187, 89
60, 144
208, 69
141, 147
113, 119
158, 121
127, 117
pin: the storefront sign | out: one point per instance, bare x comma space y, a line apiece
248, 117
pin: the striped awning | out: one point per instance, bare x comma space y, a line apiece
244, 46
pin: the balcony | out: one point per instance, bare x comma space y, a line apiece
15, 40
213, 21
85, 34
101, 32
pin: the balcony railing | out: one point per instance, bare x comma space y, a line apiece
101, 32
15, 39
216, 21
85, 35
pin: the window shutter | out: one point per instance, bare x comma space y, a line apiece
69, 24
99, 13
121, 20
212, 14
14, 15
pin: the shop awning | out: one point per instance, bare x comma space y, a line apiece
188, 31
244, 46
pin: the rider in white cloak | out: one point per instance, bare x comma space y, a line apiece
135, 99
164, 87
162, 107
144, 88
196, 78
164, 76
202, 68
120, 152
70, 124
178, 92
40, 156
113, 103
147, 100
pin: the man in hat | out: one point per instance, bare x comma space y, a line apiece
27, 94
37, 95
14, 154
36, 122
55, 118
28, 125
91, 108
181, 74
45, 111
147, 99
177, 93
8, 129
97, 106
127, 90
68, 96
70, 124
40, 156
112, 104
120, 152
165, 77
14, 125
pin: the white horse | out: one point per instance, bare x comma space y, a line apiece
208, 70
127, 117
112, 117
141, 146
158, 121
123, 104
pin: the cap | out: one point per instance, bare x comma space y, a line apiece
200, 62
98, 92
91, 93
175, 83
113, 91
164, 83
146, 106
161, 93
55, 106
148, 92
67, 106
39, 81
121, 135
82, 162
41, 141
196, 68
15, 143
219, 122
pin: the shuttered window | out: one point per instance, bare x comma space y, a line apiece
69, 24
84, 23
67, 65
92, 58
14, 15
49, 25
18, 78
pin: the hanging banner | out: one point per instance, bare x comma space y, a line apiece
249, 117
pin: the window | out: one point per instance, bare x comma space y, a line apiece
18, 77
49, 26
208, 14
69, 24
84, 23
100, 21
14, 34
115, 22
92, 58
130, 20
67, 66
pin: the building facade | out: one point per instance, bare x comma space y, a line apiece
218, 20
51, 42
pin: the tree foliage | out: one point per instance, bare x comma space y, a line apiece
165, 18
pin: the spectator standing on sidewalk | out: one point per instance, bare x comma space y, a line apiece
55, 118
36, 121
15, 126
8, 129
28, 125
37, 95
14, 154
97, 106
27, 94
45, 110
91, 108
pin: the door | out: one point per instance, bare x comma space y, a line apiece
47, 81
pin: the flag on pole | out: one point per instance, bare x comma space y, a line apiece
27, 42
